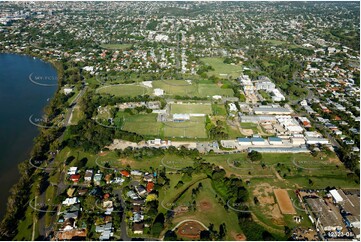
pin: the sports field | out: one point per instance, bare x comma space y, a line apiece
116, 46
195, 128
144, 124
176, 87
209, 90
221, 69
201, 108
284, 201
125, 90
194, 88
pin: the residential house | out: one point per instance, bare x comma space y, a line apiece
88, 175
141, 190
97, 178
150, 187
125, 173
148, 177
138, 228
75, 178
70, 201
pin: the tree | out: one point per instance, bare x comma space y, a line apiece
255, 155
158, 224
205, 235
170, 236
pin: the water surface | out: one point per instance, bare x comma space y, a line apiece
19, 99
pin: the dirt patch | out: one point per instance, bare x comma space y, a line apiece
104, 153
267, 203
190, 230
247, 132
266, 200
205, 205
277, 217
284, 201
238, 237
126, 161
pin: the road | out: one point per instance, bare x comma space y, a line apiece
123, 225
72, 106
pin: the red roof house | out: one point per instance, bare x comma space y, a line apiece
150, 187
75, 177
125, 173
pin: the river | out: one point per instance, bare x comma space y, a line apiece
19, 99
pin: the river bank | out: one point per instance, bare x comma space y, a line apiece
21, 173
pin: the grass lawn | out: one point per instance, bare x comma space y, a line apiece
209, 90
125, 90
191, 129
144, 124
116, 46
252, 126
276, 42
49, 199
233, 132
77, 115
243, 168
167, 197
213, 212
204, 108
176, 87
265, 95
221, 69
25, 226
219, 110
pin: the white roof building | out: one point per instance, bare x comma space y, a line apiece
68, 90
336, 196
70, 201
72, 170
158, 92
277, 96
232, 107
180, 117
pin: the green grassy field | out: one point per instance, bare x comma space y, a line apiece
252, 126
116, 46
190, 129
191, 108
219, 110
209, 90
125, 90
144, 124
76, 116
25, 226
222, 68
233, 132
176, 87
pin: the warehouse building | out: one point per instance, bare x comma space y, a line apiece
258, 141
279, 149
314, 141
298, 140
328, 218
244, 141
275, 141
256, 119
271, 109
351, 206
